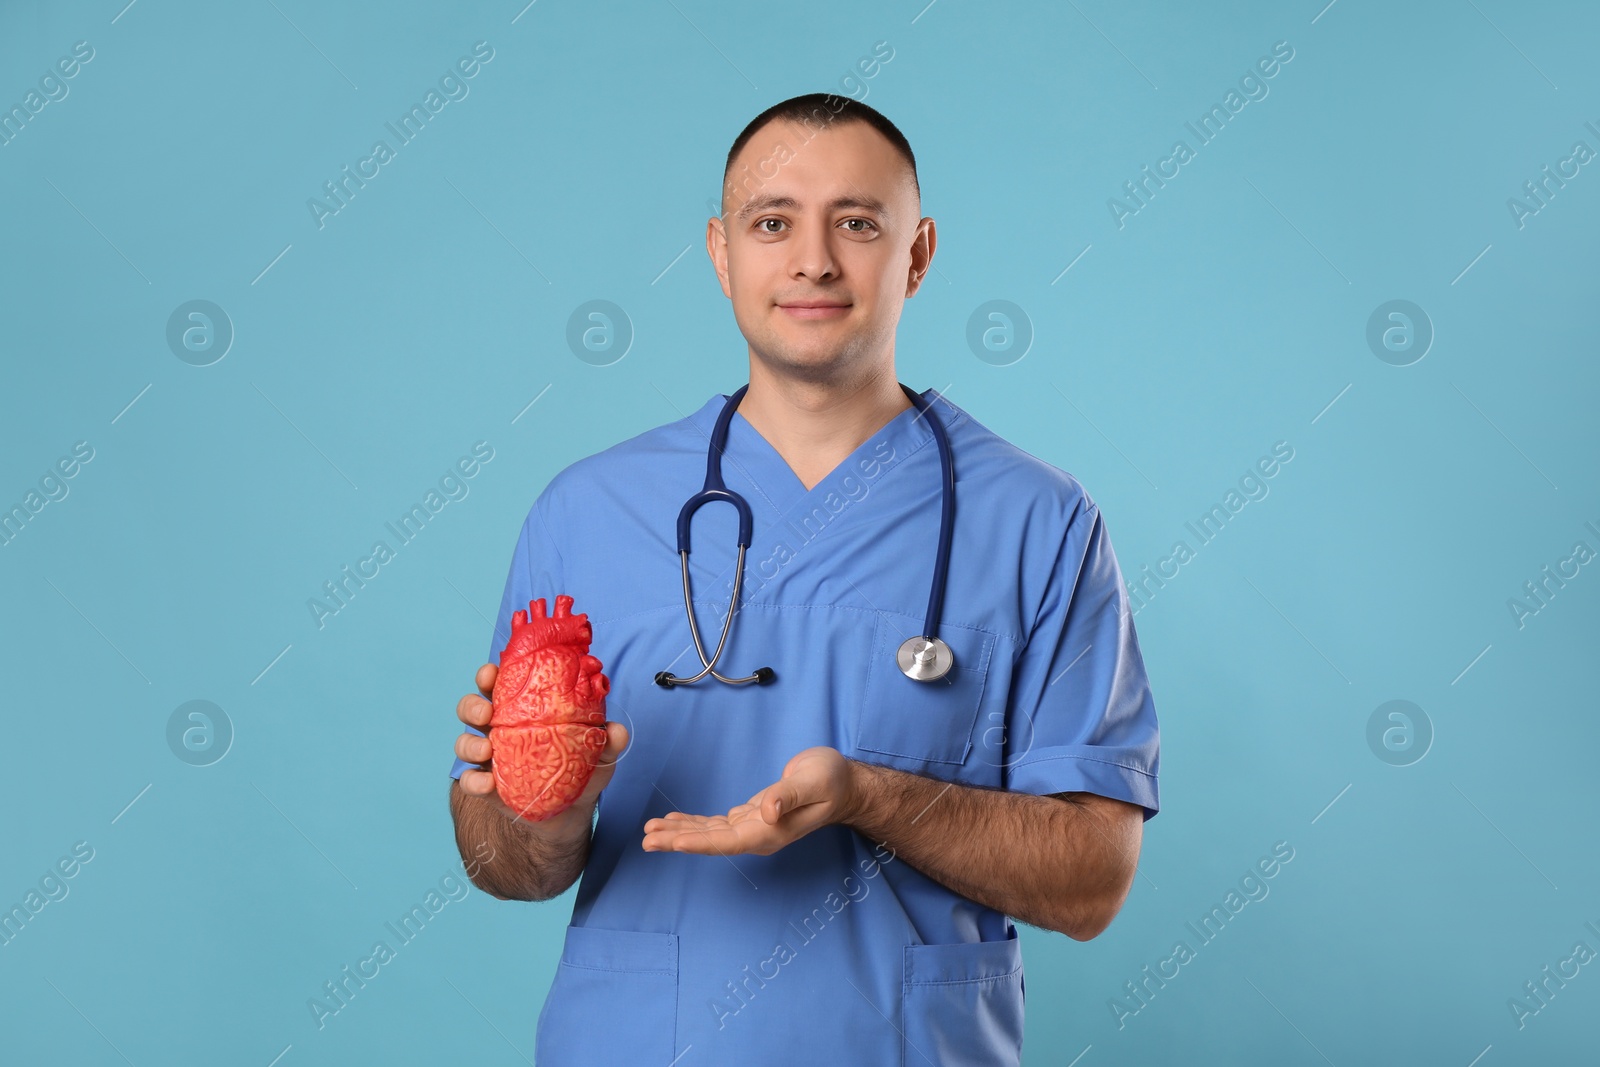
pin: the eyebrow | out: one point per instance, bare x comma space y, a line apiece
769, 201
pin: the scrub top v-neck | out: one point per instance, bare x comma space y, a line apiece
774, 478
724, 959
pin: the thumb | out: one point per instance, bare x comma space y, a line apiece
783, 797
605, 767
616, 748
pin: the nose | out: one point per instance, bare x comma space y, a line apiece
811, 252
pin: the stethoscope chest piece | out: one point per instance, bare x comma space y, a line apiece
925, 660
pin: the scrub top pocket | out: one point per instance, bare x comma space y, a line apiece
614, 1000
962, 1004
922, 722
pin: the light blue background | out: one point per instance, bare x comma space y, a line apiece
1228, 314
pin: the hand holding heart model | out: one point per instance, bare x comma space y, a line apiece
548, 723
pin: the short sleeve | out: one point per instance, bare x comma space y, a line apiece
535, 572
1080, 716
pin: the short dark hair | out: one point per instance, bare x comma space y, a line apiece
822, 110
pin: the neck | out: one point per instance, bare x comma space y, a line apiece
815, 425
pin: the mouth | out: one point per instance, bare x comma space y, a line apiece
815, 309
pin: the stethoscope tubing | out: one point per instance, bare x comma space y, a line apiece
947, 500
715, 489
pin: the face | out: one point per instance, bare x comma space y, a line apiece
821, 244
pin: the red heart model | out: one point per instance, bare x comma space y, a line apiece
548, 723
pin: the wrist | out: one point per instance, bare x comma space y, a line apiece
860, 793
556, 825
570, 824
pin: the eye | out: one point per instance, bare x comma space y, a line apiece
866, 223
761, 224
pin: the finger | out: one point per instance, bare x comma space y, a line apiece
474, 749
662, 838
485, 678
474, 711
478, 783
708, 841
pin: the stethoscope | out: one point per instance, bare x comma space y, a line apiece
924, 658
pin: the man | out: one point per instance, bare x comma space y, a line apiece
854, 909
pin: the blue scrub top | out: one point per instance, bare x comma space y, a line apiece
832, 950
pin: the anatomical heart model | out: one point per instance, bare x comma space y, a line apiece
549, 699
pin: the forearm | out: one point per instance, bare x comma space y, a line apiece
1049, 861
513, 859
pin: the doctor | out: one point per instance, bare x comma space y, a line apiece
823, 867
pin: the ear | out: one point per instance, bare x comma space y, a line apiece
717, 249
923, 244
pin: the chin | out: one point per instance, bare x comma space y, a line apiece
808, 364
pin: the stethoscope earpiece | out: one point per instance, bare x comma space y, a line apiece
922, 659
762, 676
